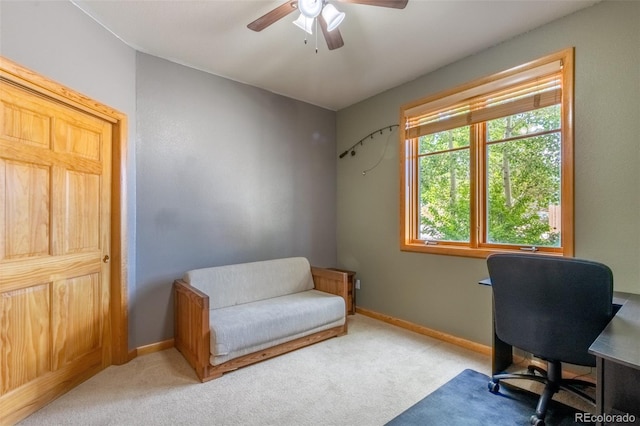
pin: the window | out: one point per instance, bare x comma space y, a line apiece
488, 166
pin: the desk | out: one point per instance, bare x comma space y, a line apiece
617, 352
502, 354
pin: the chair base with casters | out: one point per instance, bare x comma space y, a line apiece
553, 381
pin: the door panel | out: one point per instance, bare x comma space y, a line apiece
26, 216
74, 138
25, 352
76, 318
24, 125
55, 180
82, 212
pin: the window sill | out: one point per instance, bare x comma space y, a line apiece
459, 250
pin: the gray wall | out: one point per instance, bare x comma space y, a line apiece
224, 172
227, 173
57, 40
440, 292
264, 169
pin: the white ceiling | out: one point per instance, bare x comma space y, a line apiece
383, 47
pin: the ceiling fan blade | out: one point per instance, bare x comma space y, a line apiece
269, 18
396, 4
333, 38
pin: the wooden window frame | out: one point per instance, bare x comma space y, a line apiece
477, 247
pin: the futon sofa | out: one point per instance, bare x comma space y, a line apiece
227, 317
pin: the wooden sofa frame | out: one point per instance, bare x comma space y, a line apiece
192, 332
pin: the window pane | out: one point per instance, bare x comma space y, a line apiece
535, 121
444, 191
442, 141
523, 205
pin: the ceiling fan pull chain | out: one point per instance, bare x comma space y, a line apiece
316, 22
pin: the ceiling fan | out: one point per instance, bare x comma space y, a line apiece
319, 11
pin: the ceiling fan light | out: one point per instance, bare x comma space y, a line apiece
332, 17
304, 23
310, 8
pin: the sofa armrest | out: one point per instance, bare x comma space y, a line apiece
192, 332
331, 281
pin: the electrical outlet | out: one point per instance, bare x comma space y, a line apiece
357, 284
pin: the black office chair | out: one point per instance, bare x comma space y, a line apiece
554, 308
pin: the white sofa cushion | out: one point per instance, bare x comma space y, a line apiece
249, 282
239, 330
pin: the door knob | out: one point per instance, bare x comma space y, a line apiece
105, 259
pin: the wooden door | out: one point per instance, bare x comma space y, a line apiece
55, 183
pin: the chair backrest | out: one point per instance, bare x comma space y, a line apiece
553, 307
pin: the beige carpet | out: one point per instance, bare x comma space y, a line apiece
364, 378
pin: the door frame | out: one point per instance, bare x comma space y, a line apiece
119, 328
